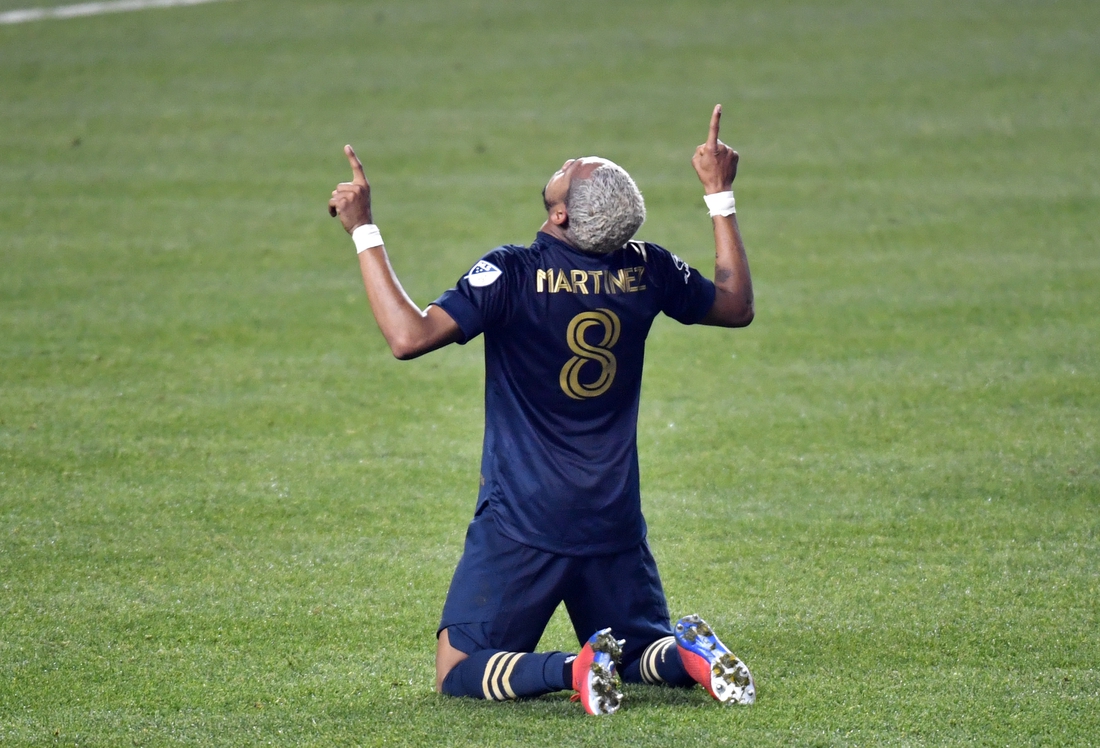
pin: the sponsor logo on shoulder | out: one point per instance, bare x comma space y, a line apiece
483, 274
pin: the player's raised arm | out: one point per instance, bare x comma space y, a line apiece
716, 164
409, 331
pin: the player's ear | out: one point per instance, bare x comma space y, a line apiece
558, 215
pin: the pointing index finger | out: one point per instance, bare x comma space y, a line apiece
712, 137
357, 175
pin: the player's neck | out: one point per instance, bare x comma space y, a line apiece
556, 231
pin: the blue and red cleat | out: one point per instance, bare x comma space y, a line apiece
594, 677
711, 663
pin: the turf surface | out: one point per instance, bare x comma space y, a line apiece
227, 516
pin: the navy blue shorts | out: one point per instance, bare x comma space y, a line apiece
503, 594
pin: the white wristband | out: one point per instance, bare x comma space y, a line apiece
365, 237
720, 203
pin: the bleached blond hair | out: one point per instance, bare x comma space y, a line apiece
605, 210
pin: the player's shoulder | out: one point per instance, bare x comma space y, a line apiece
651, 253
518, 257
664, 268
647, 250
511, 254
502, 261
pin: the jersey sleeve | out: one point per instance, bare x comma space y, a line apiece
479, 299
687, 295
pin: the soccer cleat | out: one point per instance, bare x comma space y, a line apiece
594, 676
711, 664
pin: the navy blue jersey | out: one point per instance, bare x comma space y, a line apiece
565, 337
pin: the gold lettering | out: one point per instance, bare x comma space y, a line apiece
625, 280
579, 279
561, 283
629, 273
619, 280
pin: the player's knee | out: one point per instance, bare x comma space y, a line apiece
446, 657
442, 670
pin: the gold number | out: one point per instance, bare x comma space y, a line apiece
600, 353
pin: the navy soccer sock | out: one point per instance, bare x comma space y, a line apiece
659, 663
497, 675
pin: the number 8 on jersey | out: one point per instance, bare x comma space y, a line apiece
599, 354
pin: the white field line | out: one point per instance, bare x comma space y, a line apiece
91, 9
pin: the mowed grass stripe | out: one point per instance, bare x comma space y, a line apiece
227, 516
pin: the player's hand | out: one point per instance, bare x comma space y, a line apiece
351, 200
714, 161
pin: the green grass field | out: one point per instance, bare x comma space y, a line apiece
229, 517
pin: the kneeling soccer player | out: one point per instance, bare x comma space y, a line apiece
558, 516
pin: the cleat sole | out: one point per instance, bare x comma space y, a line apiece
712, 665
